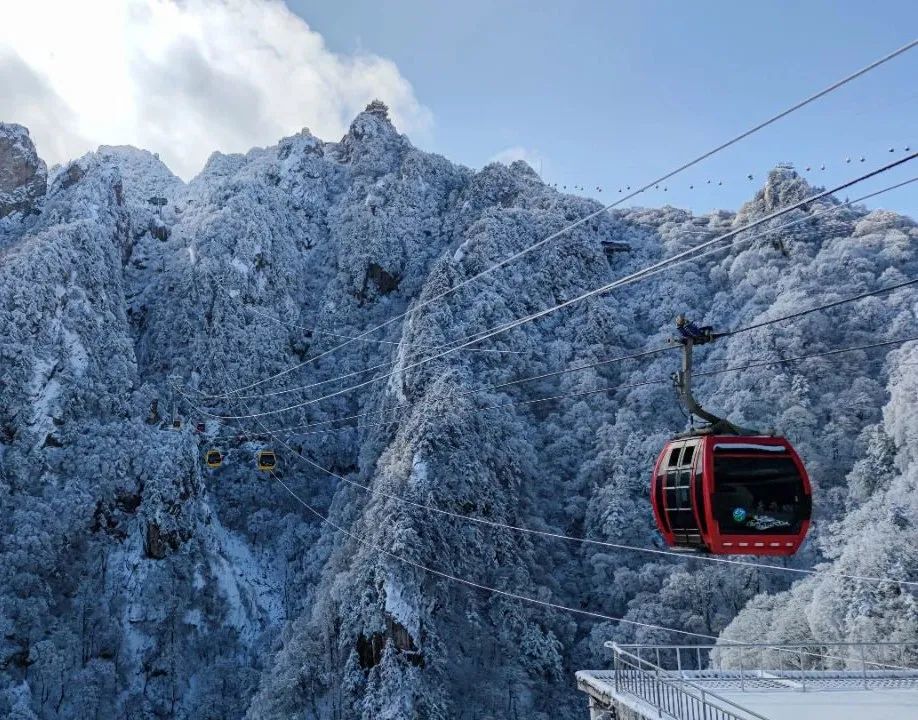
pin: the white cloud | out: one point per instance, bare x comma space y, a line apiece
533, 158
183, 77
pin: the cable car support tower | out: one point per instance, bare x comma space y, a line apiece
692, 335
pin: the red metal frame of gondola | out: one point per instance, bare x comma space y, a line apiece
658, 493
712, 539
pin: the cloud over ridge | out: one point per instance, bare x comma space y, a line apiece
184, 78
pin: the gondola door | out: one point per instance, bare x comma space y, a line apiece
679, 480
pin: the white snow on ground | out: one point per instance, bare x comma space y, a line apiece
254, 596
43, 403
238, 616
46, 389
240, 266
79, 358
831, 705
419, 470
399, 607
130, 572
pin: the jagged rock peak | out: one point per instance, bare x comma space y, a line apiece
783, 186
374, 121
378, 107
372, 140
23, 175
521, 167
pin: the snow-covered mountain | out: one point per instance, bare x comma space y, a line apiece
136, 583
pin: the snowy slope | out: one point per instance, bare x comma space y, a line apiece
137, 583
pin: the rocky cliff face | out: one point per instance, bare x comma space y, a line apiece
23, 175
135, 582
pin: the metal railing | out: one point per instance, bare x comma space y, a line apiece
792, 666
672, 696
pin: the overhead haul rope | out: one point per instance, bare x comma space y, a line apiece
725, 180
525, 251
469, 583
536, 601
354, 337
519, 596
504, 593
584, 393
633, 277
621, 546
607, 361
596, 391
428, 348
353, 373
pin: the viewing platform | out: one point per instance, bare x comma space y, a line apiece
829, 681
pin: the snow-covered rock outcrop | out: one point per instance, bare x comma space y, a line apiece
23, 175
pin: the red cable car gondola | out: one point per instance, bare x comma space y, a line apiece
731, 495
727, 490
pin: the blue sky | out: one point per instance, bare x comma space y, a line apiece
614, 93
597, 93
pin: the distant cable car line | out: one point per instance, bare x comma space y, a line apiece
633, 277
608, 361
793, 222
595, 391
621, 546
749, 176
476, 337
545, 603
366, 340
513, 257
744, 240
446, 345
832, 209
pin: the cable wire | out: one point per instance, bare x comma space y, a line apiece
820, 213
621, 546
515, 256
633, 277
640, 354
797, 221
360, 339
512, 595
